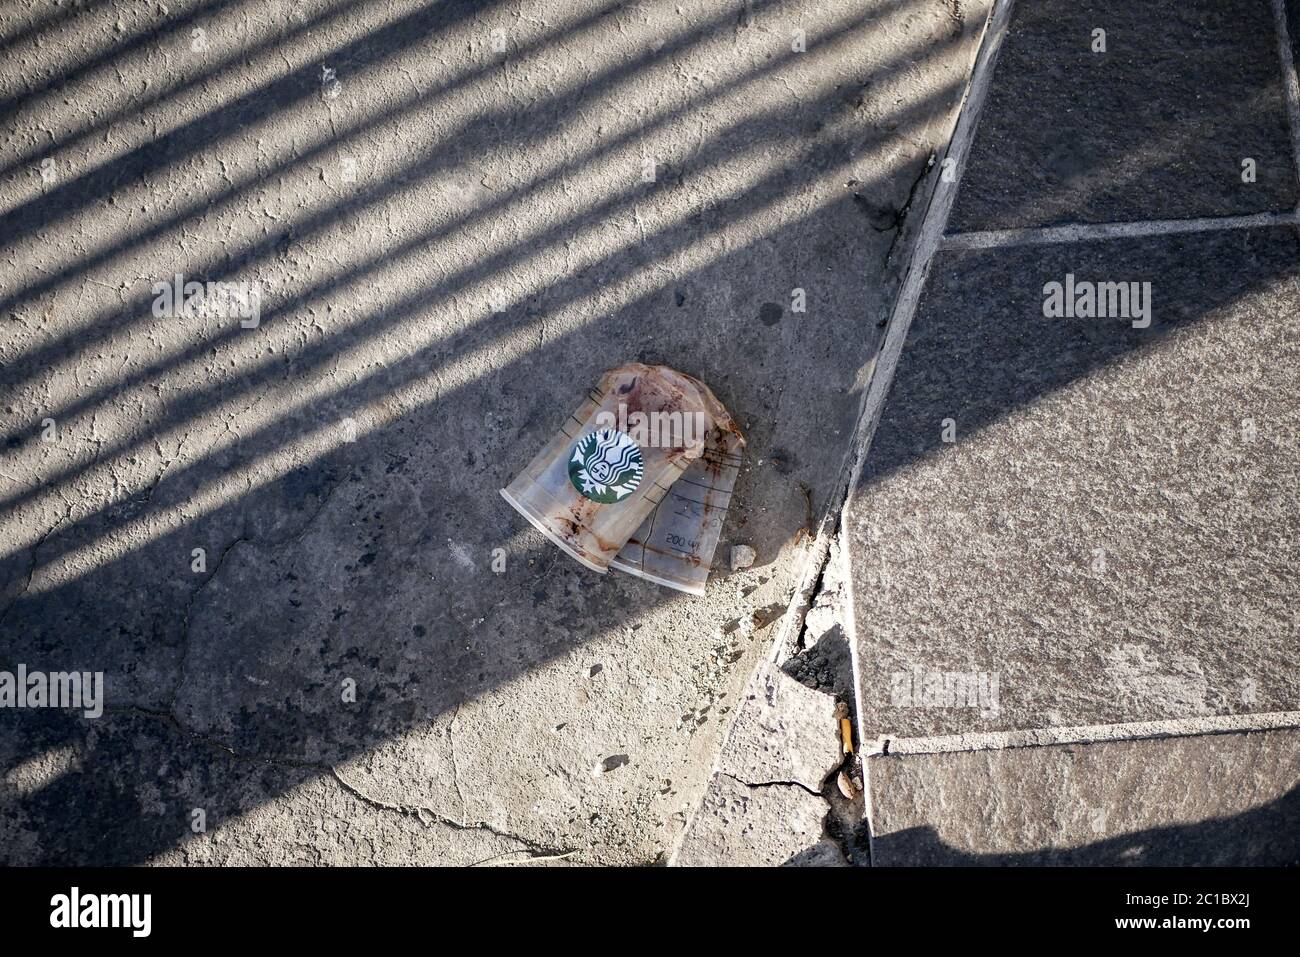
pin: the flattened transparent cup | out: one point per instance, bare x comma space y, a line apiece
675, 544
592, 485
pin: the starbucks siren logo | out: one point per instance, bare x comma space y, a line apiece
606, 466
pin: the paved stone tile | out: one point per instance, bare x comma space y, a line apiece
1227, 799
1156, 127
1113, 534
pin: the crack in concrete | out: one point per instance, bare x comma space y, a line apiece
169, 718
531, 859
32, 563
301, 533
418, 811
900, 217
427, 816
810, 600
803, 599
773, 784
240, 539
185, 620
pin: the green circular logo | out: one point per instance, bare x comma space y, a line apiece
606, 466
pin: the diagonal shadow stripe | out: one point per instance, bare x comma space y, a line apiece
262, 370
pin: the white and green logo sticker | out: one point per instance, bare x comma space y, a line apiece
606, 466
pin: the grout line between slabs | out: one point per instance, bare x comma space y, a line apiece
1087, 734
1080, 232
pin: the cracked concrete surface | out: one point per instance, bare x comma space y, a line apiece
279, 542
746, 825
784, 732
787, 736
764, 803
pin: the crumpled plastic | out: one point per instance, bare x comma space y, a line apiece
638, 479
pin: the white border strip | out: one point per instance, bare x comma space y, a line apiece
1086, 734
879, 369
930, 235
1290, 83
1082, 232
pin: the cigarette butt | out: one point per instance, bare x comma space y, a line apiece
846, 735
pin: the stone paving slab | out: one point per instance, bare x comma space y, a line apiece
1231, 799
1156, 127
1113, 531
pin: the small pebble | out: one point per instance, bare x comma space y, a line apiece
742, 556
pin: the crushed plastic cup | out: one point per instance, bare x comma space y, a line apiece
675, 544
610, 466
